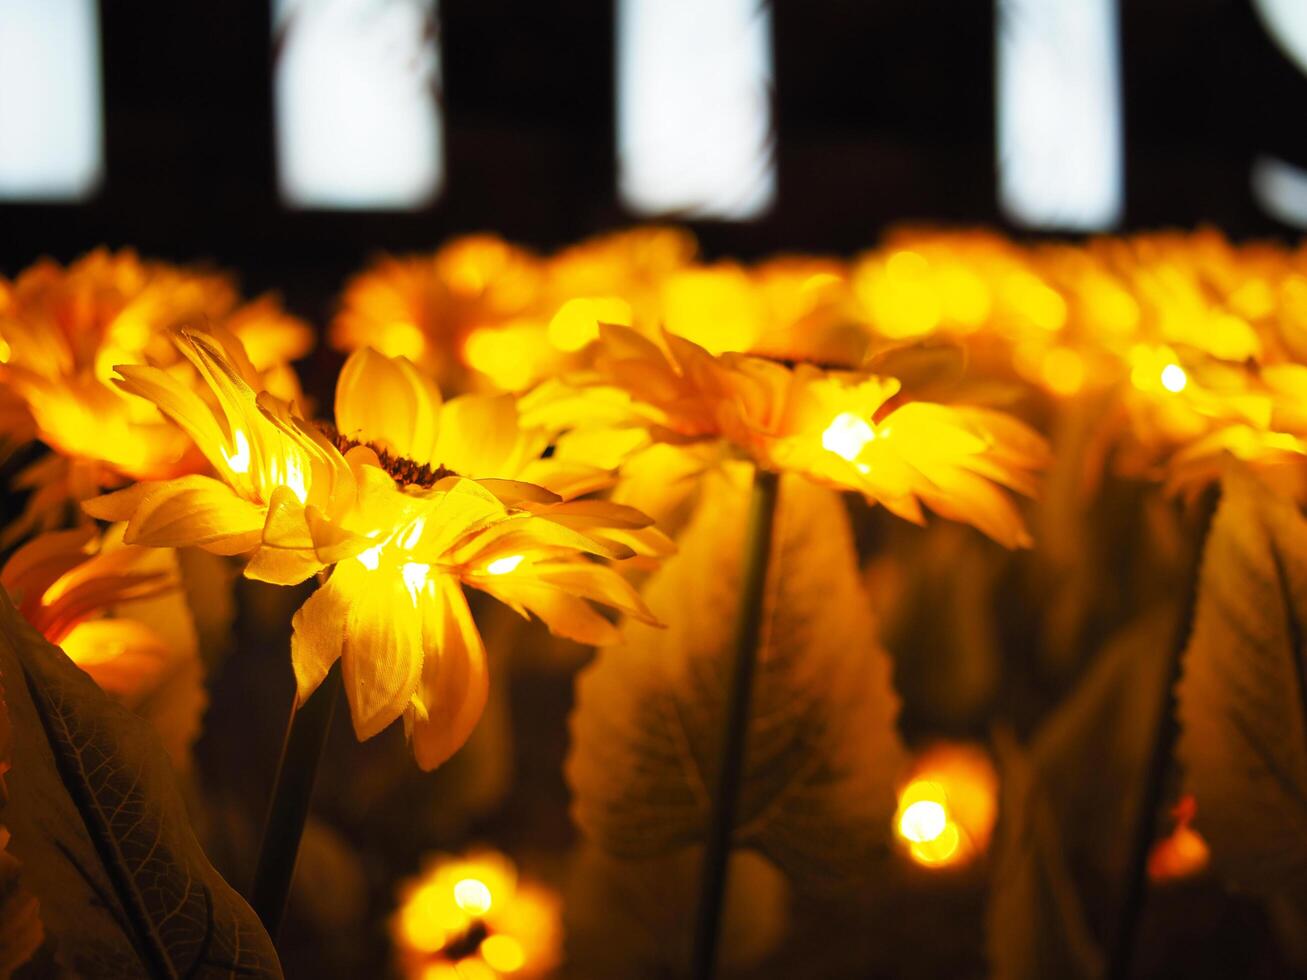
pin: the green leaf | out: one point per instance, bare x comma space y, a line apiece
102, 833
1035, 922
634, 918
818, 789
1069, 804
1243, 699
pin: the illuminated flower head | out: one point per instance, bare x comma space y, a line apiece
406, 500
614, 278
474, 917
841, 428
462, 314
118, 612
63, 331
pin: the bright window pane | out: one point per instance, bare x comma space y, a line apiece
51, 122
1059, 113
357, 103
694, 124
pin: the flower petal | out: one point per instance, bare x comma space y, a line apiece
454, 684
387, 402
196, 510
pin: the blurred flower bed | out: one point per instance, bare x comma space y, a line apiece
1028, 696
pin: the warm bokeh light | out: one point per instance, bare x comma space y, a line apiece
1173, 378
472, 916
847, 435
948, 806
1183, 853
925, 819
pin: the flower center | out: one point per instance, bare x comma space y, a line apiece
402, 470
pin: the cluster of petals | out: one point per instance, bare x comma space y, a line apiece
402, 502
63, 330
1188, 346
846, 429
120, 614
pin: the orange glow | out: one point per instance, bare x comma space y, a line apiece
472, 917
947, 808
925, 819
1182, 854
472, 896
576, 323
511, 356
1063, 371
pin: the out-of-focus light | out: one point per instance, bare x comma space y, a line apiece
51, 119
502, 566
694, 126
1156, 369
1281, 190
577, 321
923, 821
1286, 22
357, 103
1063, 371
471, 918
947, 809
1059, 113
847, 435
503, 953
1173, 378
511, 356
473, 896
1183, 853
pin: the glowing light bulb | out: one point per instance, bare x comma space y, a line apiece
1173, 378
922, 821
415, 578
847, 435
502, 566
239, 461
472, 896
938, 850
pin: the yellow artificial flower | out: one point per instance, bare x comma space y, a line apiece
841, 428
62, 332
118, 612
613, 278
474, 918
406, 499
461, 314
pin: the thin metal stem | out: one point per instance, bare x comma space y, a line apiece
292, 792
748, 630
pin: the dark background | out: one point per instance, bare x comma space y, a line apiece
884, 113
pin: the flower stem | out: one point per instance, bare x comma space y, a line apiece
748, 628
306, 735
1135, 888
